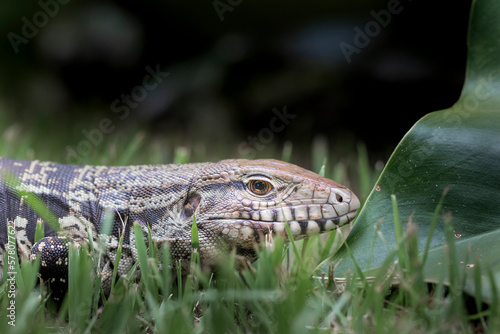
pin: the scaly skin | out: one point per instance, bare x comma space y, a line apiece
236, 204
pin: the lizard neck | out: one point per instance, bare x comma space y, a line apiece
152, 195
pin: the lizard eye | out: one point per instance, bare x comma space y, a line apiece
260, 187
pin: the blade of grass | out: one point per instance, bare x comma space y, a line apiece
328, 245
286, 153
179, 280
33, 201
80, 287
319, 152
451, 254
494, 306
181, 155
358, 270
414, 283
142, 255
398, 233
374, 240
39, 231
166, 271
292, 242
195, 244
339, 173
365, 177
434, 222
131, 148
152, 249
117, 262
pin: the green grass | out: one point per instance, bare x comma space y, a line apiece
283, 292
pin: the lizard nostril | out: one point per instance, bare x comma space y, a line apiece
339, 197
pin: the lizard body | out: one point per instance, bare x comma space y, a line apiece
236, 204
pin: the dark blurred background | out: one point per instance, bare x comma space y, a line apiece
66, 65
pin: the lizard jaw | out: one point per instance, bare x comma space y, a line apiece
305, 228
252, 231
248, 231
313, 216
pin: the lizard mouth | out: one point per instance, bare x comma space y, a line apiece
304, 218
308, 227
248, 230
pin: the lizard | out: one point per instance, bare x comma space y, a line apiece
236, 204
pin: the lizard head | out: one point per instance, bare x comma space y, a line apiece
239, 202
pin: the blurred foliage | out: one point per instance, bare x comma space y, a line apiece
228, 69
449, 157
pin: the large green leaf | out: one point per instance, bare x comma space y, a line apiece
456, 148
